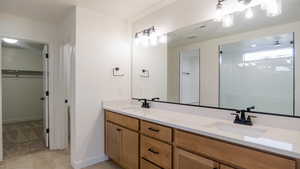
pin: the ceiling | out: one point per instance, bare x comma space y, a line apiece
52, 10
210, 29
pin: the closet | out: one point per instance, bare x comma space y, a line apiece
22, 98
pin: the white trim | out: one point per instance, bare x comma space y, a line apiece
89, 162
1, 131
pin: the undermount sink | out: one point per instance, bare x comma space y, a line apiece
239, 129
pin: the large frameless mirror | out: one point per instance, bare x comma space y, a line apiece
240, 59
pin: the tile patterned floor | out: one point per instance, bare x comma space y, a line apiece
22, 138
24, 149
48, 160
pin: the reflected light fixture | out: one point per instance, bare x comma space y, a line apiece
225, 11
219, 11
228, 20
249, 13
9, 40
277, 43
148, 37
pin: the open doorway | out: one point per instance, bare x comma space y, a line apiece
25, 104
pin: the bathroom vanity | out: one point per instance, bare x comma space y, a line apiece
154, 139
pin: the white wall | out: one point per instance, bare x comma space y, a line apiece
154, 59
67, 40
28, 29
21, 96
179, 14
102, 43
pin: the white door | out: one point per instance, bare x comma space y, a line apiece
46, 94
189, 76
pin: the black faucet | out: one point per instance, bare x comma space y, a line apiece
145, 103
155, 99
240, 116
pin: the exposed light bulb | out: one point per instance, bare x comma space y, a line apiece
249, 13
228, 20
11, 41
163, 39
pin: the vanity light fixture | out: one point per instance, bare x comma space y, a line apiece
9, 40
149, 36
225, 11
219, 11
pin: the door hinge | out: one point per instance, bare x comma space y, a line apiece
47, 55
47, 93
47, 130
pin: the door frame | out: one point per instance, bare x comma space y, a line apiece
45, 55
53, 144
1, 120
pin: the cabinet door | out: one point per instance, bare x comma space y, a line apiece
186, 160
225, 167
130, 149
113, 142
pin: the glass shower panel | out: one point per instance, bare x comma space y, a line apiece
258, 73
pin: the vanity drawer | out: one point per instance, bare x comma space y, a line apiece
157, 152
156, 131
147, 165
232, 154
122, 120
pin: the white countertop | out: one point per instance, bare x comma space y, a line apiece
280, 141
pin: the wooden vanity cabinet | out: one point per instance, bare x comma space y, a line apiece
122, 146
187, 160
138, 144
225, 167
157, 152
232, 154
148, 165
113, 142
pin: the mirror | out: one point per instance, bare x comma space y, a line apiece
249, 62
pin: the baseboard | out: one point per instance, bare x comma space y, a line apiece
88, 162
